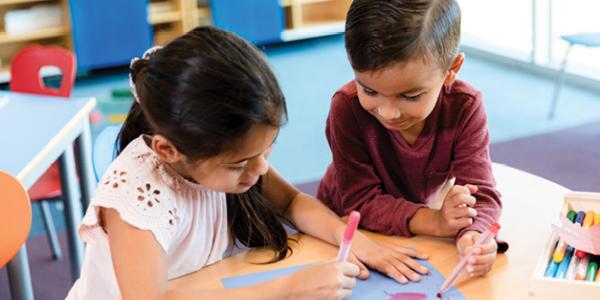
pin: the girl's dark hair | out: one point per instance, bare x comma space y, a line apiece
204, 91
380, 33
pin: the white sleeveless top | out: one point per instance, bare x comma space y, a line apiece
188, 220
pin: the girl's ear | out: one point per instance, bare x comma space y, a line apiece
454, 68
165, 149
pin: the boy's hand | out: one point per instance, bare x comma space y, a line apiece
396, 262
457, 211
483, 257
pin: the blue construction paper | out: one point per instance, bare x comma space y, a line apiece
378, 286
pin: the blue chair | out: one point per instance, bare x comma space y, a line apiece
590, 40
104, 150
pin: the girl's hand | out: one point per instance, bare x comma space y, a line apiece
396, 262
457, 212
329, 280
483, 257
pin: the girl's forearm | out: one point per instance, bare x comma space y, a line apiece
273, 289
312, 217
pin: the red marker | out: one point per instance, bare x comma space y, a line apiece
351, 226
483, 238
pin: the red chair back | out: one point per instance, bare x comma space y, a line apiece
15, 217
29, 61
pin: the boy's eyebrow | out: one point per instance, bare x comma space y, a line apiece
412, 90
251, 157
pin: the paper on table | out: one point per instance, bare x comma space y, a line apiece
378, 286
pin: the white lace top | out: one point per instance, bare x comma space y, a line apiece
188, 220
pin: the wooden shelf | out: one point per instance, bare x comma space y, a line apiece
34, 35
9, 2
164, 17
203, 12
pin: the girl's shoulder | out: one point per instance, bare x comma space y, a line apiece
138, 185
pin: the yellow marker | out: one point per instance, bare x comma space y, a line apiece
561, 247
597, 218
559, 252
588, 221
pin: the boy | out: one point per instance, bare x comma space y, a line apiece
405, 126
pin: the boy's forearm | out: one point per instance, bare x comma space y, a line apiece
424, 221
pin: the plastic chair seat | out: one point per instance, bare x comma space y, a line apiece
48, 186
591, 39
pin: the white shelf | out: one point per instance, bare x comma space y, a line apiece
312, 31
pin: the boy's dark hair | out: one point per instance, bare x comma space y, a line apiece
380, 33
204, 91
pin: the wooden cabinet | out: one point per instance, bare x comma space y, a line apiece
313, 18
12, 42
107, 33
172, 18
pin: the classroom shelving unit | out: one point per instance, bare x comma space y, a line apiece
10, 43
260, 21
172, 18
313, 18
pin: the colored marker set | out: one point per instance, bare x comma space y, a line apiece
569, 265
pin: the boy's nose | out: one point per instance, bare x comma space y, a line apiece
388, 113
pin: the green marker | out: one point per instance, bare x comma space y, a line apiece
571, 215
591, 271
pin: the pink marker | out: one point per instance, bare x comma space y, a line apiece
483, 238
351, 226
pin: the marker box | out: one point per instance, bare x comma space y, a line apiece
542, 287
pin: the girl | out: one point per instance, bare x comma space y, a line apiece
192, 177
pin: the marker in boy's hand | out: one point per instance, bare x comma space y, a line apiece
457, 211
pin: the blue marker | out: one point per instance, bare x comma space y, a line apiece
551, 269
564, 265
580, 217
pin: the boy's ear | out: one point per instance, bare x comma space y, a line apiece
454, 68
165, 149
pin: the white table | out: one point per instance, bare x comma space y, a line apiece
35, 131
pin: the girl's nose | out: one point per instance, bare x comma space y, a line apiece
260, 166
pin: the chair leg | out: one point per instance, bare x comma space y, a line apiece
50, 230
559, 82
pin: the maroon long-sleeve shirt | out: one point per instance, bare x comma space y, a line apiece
376, 172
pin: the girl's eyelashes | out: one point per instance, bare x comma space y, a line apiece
238, 167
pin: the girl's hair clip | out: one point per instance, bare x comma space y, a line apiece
146, 55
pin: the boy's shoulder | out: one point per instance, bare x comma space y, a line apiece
345, 100
461, 98
463, 90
